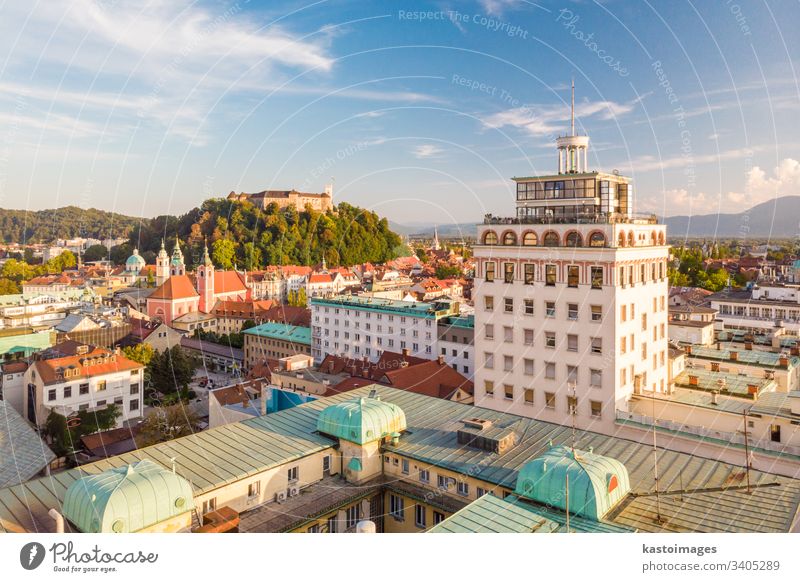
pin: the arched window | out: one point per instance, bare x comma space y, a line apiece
551, 239
529, 239
490, 238
597, 239
509, 238
653, 238
621, 241
574, 239
661, 240
631, 240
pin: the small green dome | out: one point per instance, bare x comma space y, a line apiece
361, 420
127, 499
135, 262
596, 483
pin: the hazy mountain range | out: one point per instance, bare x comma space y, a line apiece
778, 218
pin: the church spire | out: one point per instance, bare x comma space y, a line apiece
206, 260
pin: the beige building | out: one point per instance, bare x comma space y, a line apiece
289, 198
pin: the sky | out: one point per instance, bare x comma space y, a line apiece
421, 111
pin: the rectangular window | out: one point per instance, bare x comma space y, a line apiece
313, 528
644, 322
463, 488
508, 334
508, 272
550, 339
404, 466
528, 337
51, 394
508, 390
134, 389
572, 404
508, 363
528, 367
597, 345
550, 400
67, 391
597, 277
775, 433
488, 387
442, 482
530, 274
419, 515
596, 408
573, 276
134, 405
488, 331
101, 385
254, 489
489, 271
550, 275
597, 313
550, 308
83, 389
397, 507
528, 306
572, 342
550, 371
293, 474
572, 311
644, 350
424, 476
508, 304
488, 303
572, 374
596, 378
528, 395
488, 360
623, 313
438, 517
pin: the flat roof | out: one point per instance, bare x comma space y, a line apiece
394, 306
22, 453
282, 331
751, 357
734, 384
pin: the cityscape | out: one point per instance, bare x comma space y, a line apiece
340, 313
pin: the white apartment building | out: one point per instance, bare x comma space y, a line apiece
570, 298
42, 310
457, 343
363, 327
761, 310
92, 379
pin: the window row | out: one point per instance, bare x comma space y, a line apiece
550, 311
528, 396
550, 275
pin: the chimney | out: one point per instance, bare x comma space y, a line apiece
752, 389
734, 356
693, 380
688, 350
405, 351
440, 359
748, 345
714, 397
783, 360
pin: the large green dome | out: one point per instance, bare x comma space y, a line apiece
596, 483
362, 420
127, 499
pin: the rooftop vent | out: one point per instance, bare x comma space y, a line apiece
482, 434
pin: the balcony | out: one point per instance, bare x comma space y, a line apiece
594, 218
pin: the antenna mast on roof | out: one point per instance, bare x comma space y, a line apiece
572, 406
659, 519
573, 106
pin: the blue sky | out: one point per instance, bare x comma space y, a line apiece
421, 111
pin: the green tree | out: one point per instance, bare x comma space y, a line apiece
8, 287
168, 422
223, 253
447, 272
252, 257
60, 437
120, 253
171, 370
95, 253
141, 353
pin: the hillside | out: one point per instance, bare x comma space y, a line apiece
245, 236
779, 218
67, 222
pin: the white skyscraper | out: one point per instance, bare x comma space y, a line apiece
570, 298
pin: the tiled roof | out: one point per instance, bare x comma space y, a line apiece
228, 282
176, 287
98, 362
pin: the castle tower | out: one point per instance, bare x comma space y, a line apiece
205, 282
177, 266
162, 265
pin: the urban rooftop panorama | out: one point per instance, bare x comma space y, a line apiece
355, 268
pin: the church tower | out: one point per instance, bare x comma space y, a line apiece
205, 282
162, 265
177, 266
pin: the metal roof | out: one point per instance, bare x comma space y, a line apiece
282, 331
752, 357
361, 420
490, 514
127, 499
22, 453
379, 304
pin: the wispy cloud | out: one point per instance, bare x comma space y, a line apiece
425, 151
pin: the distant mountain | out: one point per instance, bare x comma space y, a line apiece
466, 229
67, 222
779, 218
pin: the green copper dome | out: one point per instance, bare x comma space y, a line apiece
127, 499
596, 483
135, 262
361, 420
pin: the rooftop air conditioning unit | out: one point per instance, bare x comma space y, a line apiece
280, 496
294, 490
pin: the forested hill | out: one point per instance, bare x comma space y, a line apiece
243, 235
67, 222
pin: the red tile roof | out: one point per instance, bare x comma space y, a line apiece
228, 282
97, 362
176, 287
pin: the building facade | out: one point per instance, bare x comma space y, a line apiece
363, 327
570, 299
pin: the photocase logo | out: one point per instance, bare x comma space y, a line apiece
31, 555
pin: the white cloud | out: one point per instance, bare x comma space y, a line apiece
554, 119
785, 181
497, 7
426, 151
